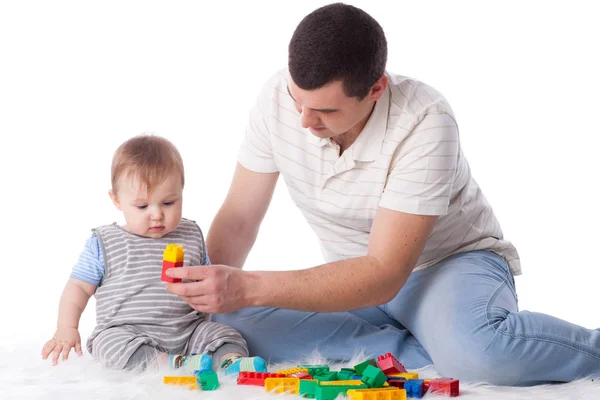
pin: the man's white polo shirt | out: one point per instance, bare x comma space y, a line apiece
407, 158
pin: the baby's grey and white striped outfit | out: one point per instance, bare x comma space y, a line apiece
134, 311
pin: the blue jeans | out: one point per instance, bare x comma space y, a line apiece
460, 315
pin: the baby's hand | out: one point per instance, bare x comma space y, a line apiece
63, 341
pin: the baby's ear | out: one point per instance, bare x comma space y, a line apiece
114, 199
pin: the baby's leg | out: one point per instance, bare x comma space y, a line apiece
218, 340
117, 348
225, 345
145, 357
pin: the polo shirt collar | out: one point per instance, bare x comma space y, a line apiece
368, 144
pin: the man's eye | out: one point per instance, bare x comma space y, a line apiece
142, 207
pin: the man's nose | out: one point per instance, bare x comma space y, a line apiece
308, 117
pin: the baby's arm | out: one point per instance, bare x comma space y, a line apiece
72, 303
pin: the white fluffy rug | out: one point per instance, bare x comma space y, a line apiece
24, 376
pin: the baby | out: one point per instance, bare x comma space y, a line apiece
139, 323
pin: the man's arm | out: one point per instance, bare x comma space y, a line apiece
235, 227
395, 245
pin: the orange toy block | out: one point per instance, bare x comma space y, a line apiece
181, 381
377, 394
282, 385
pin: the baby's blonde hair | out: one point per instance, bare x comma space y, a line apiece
148, 158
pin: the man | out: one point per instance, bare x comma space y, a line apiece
416, 261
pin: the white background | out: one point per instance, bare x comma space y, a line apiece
78, 78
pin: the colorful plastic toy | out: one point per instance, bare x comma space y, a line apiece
172, 257
283, 385
445, 386
414, 388
373, 377
181, 381
389, 365
256, 378
208, 380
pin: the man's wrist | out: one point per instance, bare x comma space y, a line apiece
254, 289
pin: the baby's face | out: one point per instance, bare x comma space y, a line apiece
151, 214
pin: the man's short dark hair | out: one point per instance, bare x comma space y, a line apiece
338, 42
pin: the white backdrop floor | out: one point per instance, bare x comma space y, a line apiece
24, 376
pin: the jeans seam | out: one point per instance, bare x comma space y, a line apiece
539, 338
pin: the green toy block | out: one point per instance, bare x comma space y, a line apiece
374, 377
308, 388
315, 369
208, 380
333, 391
326, 376
361, 367
345, 375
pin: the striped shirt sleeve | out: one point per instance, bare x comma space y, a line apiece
424, 169
90, 266
256, 153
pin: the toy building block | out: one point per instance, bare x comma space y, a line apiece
444, 386
404, 375
354, 382
308, 388
345, 375
256, 378
389, 365
313, 369
377, 394
361, 367
181, 381
326, 376
399, 383
208, 380
300, 375
172, 257
414, 388
373, 377
329, 391
291, 371
283, 385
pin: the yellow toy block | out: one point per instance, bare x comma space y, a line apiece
377, 394
405, 375
283, 385
342, 383
290, 371
173, 253
190, 381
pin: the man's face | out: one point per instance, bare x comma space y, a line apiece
327, 111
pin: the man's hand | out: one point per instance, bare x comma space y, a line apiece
63, 341
217, 289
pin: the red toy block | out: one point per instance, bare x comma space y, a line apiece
301, 375
445, 386
389, 365
165, 266
399, 383
256, 378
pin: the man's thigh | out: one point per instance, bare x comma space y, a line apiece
286, 335
452, 307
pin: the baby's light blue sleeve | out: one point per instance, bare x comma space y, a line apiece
206, 260
90, 267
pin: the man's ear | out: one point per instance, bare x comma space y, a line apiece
379, 88
114, 199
